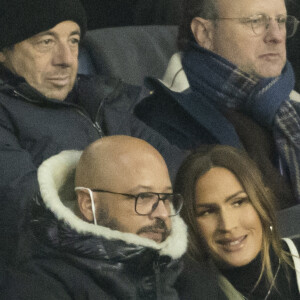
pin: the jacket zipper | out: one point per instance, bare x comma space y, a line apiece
95, 125
97, 117
106, 99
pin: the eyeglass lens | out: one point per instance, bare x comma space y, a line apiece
146, 203
262, 22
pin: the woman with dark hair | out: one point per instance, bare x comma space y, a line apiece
232, 223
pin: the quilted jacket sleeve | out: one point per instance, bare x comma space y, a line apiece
18, 183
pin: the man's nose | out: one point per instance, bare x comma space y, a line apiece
274, 32
161, 211
64, 55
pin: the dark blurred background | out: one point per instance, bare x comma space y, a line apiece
111, 13
293, 44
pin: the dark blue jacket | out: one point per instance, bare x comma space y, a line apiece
33, 128
162, 111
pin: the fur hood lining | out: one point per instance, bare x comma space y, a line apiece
52, 177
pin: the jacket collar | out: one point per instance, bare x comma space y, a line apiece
175, 78
56, 172
6, 76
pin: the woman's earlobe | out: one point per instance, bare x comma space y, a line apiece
201, 29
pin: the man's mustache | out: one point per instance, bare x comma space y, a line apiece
159, 226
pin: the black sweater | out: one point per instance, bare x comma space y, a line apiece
244, 279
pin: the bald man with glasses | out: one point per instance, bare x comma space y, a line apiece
107, 226
231, 84
127, 188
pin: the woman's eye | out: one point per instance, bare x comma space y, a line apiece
240, 201
204, 213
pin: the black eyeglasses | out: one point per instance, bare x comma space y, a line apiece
146, 203
260, 23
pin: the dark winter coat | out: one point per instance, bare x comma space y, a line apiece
161, 111
33, 128
63, 257
68, 258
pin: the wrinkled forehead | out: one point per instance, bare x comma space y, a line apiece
244, 8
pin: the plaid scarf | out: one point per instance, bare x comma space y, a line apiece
215, 80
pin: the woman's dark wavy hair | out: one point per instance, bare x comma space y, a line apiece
189, 10
248, 174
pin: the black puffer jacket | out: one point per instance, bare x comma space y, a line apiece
33, 128
72, 259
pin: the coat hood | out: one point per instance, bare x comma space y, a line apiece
56, 181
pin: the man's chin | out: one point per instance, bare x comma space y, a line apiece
269, 71
263, 70
269, 74
59, 95
55, 93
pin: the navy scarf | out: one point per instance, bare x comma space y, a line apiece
215, 80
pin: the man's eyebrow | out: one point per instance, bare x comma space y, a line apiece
145, 188
75, 32
168, 189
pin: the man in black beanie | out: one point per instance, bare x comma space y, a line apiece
45, 107
39, 42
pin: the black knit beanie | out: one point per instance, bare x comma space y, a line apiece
22, 19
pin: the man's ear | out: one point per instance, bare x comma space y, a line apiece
85, 205
202, 31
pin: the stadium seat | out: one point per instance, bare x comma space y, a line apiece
130, 53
